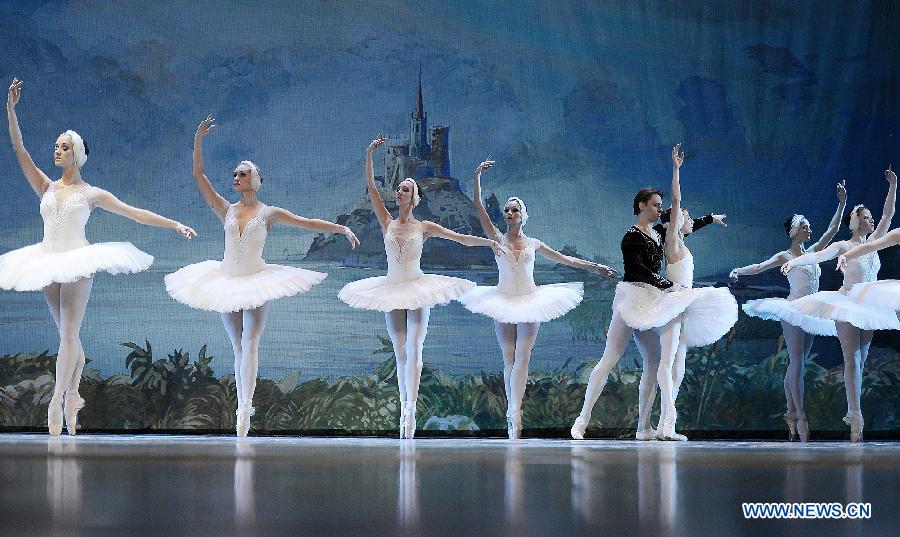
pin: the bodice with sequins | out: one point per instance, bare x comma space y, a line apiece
403, 255
243, 249
862, 269
64, 221
516, 270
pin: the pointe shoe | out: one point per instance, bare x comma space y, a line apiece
244, 411
71, 406
514, 425
402, 420
578, 428
645, 434
856, 423
409, 429
802, 427
54, 418
791, 419
667, 427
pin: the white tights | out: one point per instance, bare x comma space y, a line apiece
68, 302
407, 329
799, 344
245, 330
855, 345
673, 350
616, 341
516, 342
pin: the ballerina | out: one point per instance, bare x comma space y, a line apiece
406, 294
685, 316
855, 323
797, 337
63, 264
516, 304
242, 286
879, 294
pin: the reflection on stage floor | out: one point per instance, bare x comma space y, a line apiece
166, 485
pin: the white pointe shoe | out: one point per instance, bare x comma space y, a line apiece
54, 418
578, 428
802, 427
856, 423
667, 426
71, 406
791, 419
402, 420
645, 434
244, 411
409, 429
514, 425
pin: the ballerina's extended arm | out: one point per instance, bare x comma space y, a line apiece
674, 240
835, 223
285, 217
216, 202
814, 258
892, 238
36, 178
381, 212
775, 261
486, 225
887, 214
437, 230
107, 201
574, 262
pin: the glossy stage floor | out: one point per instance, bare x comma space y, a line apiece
213, 485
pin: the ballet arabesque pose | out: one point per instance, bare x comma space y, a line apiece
242, 285
516, 304
683, 316
855, 322
406, 294
799, 330
63, 264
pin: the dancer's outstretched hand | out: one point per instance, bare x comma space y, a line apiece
890, 175
484, 166
185, 231
354, 242
842, 191
677, 156
734, 274
206, 126
375, 143
841, 262
787, 267
498, 248
15, 93
720, 219
603, 269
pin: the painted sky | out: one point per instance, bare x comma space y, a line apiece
579, 104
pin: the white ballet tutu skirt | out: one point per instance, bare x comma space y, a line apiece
780, 309
546, 303
242, 280
837, 306
405, 287
708, 312
32, 268
64, 255
205, 286
880, 294
516, 298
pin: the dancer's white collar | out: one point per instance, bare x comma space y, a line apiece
78, 147
522, 208
854, 217
796, 222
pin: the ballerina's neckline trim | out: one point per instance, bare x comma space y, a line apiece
402, 244
242, 230
517, 254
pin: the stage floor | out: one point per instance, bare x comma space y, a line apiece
214, 485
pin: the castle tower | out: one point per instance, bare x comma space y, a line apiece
418, 135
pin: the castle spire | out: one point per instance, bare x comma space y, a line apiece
420, 108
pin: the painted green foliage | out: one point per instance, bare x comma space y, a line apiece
174, 393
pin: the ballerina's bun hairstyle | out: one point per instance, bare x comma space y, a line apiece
80, 147
415, 188
851, 219
522, 209
256, 178
644, 195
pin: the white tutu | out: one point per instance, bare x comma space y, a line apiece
708, 312
205, 286
779, 309
840, 307
34, 267
546, 303
879, 294
382, 293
